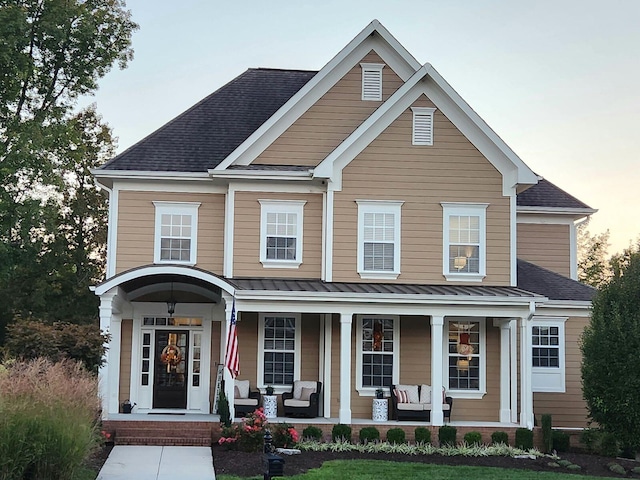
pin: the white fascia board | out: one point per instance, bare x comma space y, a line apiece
565, 308
383, 43
148, 175
575, 212
263, 175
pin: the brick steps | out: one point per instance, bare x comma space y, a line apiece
162, 433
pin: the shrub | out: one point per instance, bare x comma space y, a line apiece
396, 435
248, 437
312, 432
524, 438
447, 435
341, 432
48, 419
473, 438
223, 409
547, 433
369, 434
609, 446
499, 437
590, 438
560, 441
284, 435
423, 435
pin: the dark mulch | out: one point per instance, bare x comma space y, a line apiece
250, 464
98, 457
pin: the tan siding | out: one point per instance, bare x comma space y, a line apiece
415, 350
247, 236
452, 170
310, 347
546, 245
126, 335
248, 347
330, 120
136, 228
568, 409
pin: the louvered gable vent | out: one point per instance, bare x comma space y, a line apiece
372, 81
422, 125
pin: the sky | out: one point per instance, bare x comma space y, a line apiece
558, 80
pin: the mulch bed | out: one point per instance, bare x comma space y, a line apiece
243, 464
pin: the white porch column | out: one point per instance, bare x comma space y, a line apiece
328, 328
513, 353
226, 375
109, 373
437, 417
526, 393
106, 301
505, 371
345, 368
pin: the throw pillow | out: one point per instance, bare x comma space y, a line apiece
306, 393
402, 396
236, 392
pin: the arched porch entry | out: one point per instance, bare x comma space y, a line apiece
165, 338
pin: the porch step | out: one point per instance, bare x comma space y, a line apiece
161, 433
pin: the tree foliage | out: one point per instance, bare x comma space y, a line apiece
593, 264
610, 346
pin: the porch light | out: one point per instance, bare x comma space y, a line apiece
171, 303
459, 263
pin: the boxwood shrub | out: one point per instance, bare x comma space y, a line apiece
341, 432
524, 438
369, 434
423, 435
499, 437
447, 435
396, 435
473, 438
312, 432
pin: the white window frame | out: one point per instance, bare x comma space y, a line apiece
464, 209
379, 206
550, 379
176, 208
482, 356
422, 134
278, 389
295, 207
371, 391
369, 69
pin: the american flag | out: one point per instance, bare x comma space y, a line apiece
232, 359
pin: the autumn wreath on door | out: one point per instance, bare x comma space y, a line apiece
171, 356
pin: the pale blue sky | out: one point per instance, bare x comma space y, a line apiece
558, 80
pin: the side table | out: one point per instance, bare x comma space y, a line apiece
270, 404
380, 410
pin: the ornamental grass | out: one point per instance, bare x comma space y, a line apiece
49, 415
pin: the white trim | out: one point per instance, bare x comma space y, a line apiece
472, 210
393, 207
513, 239
344, 412
279, 388
573, 251
148, 174
482, 356
326, 374
550, 379
229, 231
422, 134
289, 207
112, 236
248, 186
169, 185
328, 254
266, 174
580, 212
437, 367
543, 218
176, 208
372, 72
371, 391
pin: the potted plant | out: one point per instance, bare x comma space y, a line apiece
269, 390
379, 393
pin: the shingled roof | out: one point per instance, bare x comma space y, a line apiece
204, 135
546, 194
554, 286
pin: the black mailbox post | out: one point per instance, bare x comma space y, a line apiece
273, 465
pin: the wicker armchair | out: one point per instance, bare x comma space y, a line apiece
303, 400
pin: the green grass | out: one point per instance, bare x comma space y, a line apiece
376, 469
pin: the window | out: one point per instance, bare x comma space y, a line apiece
378, 353
547, 354
372, 81
279, 344
281, 233
176, 232
379, 239
464, 241
422, 125
466, 357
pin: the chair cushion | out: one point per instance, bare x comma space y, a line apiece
292, 402
412, 390
412, 407
306, 393
236, 392
425, 393
401, 396
298, 385
243, 387
246, 401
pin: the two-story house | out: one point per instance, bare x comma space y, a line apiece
367, 224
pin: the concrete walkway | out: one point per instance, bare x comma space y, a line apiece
132, 462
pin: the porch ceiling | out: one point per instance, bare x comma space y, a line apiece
159, 288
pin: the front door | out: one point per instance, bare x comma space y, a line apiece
170, 372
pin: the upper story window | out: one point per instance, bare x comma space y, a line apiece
372, 81
176, 232
466, 354
547, 354
281, 233
422, 125
464, 241
377, 363
379, 238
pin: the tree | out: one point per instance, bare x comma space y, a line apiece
610, 346
593, 265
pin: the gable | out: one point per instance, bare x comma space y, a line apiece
330, 120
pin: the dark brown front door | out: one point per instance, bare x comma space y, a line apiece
170, 377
